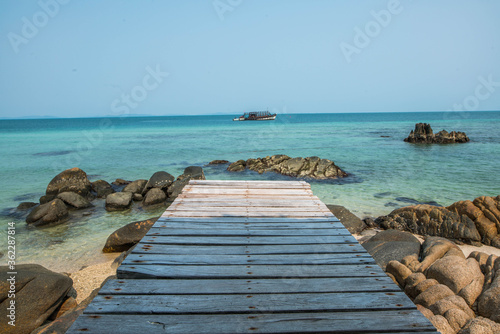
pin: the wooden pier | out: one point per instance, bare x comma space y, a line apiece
250, 257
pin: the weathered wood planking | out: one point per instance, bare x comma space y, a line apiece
250, 257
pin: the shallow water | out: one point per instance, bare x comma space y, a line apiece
385, 172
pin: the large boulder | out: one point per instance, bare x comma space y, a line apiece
176, 188
118, 201
480, 325
38, 293
433, 294
435, 248
489, 301
154, 196
311, 167
54, 212
128, 235
160, 180
136, 187
423, 134
73, 180
462, 276
73, 200
392, 245
102, 188
347, 218
431, 220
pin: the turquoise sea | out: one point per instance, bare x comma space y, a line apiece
385, 172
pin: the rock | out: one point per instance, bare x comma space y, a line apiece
237, 166
68, 305
39, 292
311, 167
425, 311
423, 134
176, 188
46, 198
481, 258
128, 235
102, 188
488, 304
73, 180
441, 324
54, 212
456, 319
347, 218
154, 196
399, 271
118, 201
433, 294
480, 325
424, 285
26, 206
135, 187
74, 200
435, 248
392, 245
137, 197
411, 282
430, 220
192, 173
457, 273
452, 302
218, 162
120, 182
161, 180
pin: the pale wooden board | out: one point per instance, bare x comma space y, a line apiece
288, 259
250, 191
403, 321
248, 240
151, 248
245, 232
245, 209
138, 271
252, 220
246, 213
244, 286
162, 224
251, 302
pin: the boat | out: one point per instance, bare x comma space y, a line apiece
256, 116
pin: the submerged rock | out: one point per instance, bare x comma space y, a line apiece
311, 167
102, 188
53, 212
423, 134
218, 162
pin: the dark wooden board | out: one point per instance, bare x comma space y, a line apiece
404, 321
247, 271
288, 259
161, 224
246, 231
244, 286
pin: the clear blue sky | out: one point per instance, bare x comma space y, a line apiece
109, 57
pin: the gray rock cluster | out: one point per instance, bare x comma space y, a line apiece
473, 222
423, 134
311, 167
457, 294
71, 190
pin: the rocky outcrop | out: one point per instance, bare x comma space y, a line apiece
54, 212
128, 235
452, 291
118, 201
471, 222
311, 167
39, 293
423, 134
73, 180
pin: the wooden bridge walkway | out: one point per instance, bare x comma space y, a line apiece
250, 257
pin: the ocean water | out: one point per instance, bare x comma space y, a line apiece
384, 172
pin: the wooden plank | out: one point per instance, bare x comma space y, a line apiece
250, 191
246, 232
401, 321
244, 286
245, 209
248, 271
283, 303
161, 224
254, 220
248, 240
249, 214
288, 259
150, 248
